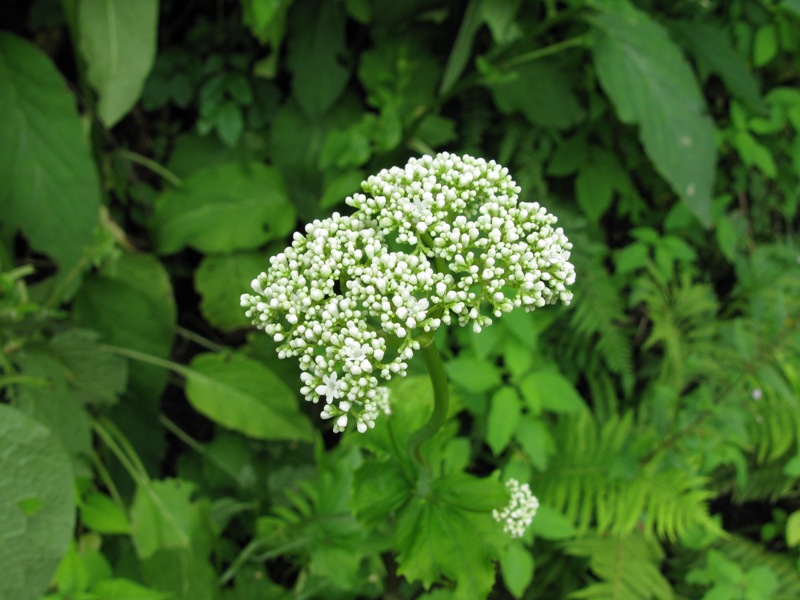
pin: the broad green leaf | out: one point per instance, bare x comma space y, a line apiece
765, 44
37, 505
50, 187
713, 50
651, 84
598, 179
184, 574
436, 537
316, 50
82, 566
542, 92
117, 39
342, 186
242, 394
551, 524
516, 565
551, 391
224, 208
164, 516
220, 279
131, 305
473, 374
504, 413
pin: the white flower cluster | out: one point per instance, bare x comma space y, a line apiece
442, 239
518, 514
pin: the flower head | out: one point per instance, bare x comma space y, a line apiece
519, 512
443, 239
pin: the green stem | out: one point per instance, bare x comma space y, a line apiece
148, 163
533, 55
433, 361
198, 339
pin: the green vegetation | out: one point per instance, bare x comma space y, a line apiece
155, 154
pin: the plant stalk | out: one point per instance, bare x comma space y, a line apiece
433, 361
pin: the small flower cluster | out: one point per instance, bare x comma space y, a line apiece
443, 239
518, 514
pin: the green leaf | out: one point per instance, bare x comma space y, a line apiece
379, 488
597, 181
765, 44
516, 565
542, 92
793, 529
101, 514
50, 186
452, 535
242, 394
462, 47
551, 524
131, 305
182, 573
342, 186
224, 208
533, 435
711, 47
219, 279
650, 83
504, 413
473, 374
551, 391
37, 506
229, 123
117, 39
163, 516
125, 589
315, 52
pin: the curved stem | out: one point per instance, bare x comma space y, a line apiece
433, 361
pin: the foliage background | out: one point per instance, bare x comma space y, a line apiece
154, 154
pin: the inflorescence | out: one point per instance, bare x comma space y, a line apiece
442, 240
519, 513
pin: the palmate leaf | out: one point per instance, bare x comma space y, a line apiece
595, 478
629, 567
651, 84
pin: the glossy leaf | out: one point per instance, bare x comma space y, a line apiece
37, 507
651, 84
244, 395
50, 186
117, 39
223, 208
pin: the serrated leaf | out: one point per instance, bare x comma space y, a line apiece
436, 537
222, 209
242, 394
504, 413
379, 488
50, 186
219, 278
651, 84
37, 506
117, 39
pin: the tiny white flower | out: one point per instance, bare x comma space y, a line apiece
330, 387
519, 512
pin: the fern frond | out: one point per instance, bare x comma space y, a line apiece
628, 566
595, 479
598, 313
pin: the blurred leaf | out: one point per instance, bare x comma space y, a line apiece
504, 414
379, 488
516, 565
710, 45
229, 123
244, 395
342, 186
598, 179
117, 39
37, 507
220, 279
551, 391
164, 516
650, 83
542, 92
50, 186
793, 529
124, 589
765, 45
473, 374
551, 524
462, 46
224, 208
316, 50
184, 574
101, 514
532, 434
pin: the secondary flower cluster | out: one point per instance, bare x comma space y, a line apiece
443, 239
519, 512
